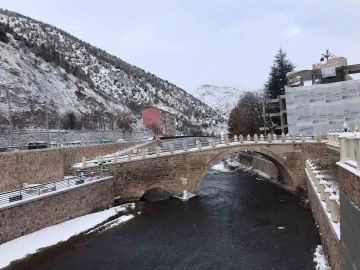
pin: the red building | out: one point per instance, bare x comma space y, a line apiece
159, 121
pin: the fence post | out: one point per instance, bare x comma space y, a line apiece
185, 146
318, 136
350, 139
357, 152
283, 137
241, 138
83, 160
256, 138
171, 148
342, 139
143, 153
303, 137
198, 143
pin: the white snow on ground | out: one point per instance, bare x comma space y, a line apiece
223, 168
319, 258
112, 223
31, 243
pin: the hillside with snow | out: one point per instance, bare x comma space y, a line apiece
222, 99
39, 62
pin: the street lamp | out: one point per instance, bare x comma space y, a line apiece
9, 111
327, 55
47, 117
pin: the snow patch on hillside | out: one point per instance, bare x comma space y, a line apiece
117, 86
222, 99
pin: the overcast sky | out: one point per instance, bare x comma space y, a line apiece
195, 42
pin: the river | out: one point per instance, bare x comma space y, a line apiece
236, 222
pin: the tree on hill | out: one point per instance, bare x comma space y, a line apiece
277, 77
249, 115
3, 37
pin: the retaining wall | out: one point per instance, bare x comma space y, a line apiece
45, 165
260, 164
328, 236
24, 217
349, 218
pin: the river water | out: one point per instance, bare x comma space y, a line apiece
236, 222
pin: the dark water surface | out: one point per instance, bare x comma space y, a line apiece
232, 224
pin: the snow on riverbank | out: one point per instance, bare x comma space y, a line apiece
230, 165
31, 243
112, 223
220, 167
320, 259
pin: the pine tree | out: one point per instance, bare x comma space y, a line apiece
3, 37
277, 77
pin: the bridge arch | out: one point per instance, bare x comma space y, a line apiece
290, 179
154, 185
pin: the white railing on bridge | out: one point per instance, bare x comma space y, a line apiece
349, 143
211, 143
333, 138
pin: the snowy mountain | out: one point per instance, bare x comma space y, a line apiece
99, 90
222, 99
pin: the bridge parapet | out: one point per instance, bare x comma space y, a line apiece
172, 166
198, 146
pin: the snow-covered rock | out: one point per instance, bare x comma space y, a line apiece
222, 99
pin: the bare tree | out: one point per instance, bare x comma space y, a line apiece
124, 121
69, 121
250, 114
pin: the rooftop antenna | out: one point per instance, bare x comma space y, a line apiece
327, 55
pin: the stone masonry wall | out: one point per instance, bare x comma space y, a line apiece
318, 152
27, 217
132, 177
327, 234
44, 165
350, 185
260, 164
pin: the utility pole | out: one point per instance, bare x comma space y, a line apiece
10, 120
47, 117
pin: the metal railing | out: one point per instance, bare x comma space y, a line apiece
65, 144
33, 190
208, 144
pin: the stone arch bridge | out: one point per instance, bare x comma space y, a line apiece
183, 169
